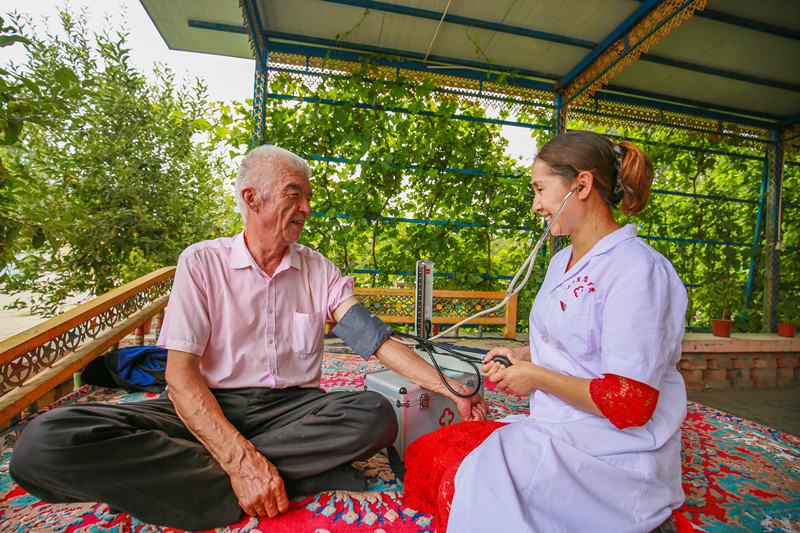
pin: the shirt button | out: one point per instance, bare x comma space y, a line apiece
552, 296
270, 341
273, 370
545, 339
270, 311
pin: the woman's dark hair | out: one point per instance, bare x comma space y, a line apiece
622, 172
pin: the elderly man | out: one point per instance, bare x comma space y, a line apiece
244, 425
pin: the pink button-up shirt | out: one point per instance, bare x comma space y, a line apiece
250, 329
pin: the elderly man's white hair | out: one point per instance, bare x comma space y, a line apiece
258, 171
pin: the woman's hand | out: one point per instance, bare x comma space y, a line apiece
519, 378
522, 353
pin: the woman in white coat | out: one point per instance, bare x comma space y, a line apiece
600, 450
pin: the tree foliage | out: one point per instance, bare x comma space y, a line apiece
118, 180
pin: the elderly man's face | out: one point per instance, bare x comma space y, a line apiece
283, 214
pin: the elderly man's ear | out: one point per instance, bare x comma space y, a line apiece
251, 199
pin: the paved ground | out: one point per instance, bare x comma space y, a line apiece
14, 321
777, 408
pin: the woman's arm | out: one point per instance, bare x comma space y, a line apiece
624, 402
524, 377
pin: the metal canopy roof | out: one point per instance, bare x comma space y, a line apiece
736, 60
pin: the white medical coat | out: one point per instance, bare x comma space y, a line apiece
619, 310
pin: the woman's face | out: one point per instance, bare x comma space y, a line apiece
549, 193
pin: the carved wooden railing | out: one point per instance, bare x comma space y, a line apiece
37, 361
396, 306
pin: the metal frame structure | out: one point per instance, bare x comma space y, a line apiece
586, 91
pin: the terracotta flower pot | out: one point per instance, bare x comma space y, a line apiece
786, 330
721, 328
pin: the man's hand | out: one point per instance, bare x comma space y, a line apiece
469, 409
258, 486
519, 378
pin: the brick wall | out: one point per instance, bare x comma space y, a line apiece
742, 361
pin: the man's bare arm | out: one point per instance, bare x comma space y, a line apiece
254, 479
401, 359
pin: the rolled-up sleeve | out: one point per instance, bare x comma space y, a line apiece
187, 326
340, 288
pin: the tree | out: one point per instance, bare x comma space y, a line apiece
120, 179
21, 101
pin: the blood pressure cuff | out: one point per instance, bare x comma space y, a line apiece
362, 331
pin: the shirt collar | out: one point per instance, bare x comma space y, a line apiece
608, 242
605, 244
240, 255
242, 258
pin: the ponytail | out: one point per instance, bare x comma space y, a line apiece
633, 179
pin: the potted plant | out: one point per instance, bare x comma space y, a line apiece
721, 327
787, 310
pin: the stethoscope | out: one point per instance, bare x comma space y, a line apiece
513, 288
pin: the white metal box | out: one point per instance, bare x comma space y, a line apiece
419, 411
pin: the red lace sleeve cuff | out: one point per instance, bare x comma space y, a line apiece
625, 402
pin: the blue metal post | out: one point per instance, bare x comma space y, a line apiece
774, 168
560, 241
259, 101
757, 236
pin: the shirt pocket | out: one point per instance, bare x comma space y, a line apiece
308, 333
572, 332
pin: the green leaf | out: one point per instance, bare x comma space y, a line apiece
38, 239
7, 40
66, 77
11, 132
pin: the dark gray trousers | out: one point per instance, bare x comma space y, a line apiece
141, 459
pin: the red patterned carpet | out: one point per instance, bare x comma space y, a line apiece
738, 476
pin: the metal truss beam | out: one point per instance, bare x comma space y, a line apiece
317, 47
254, 27
689, 107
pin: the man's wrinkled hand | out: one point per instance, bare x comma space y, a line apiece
474, 408
259, 487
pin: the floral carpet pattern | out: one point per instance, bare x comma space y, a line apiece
738, 476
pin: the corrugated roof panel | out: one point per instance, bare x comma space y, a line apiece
776, 12
715, 44
702, 41
171, 18
679, 83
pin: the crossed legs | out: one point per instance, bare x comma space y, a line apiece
141, 459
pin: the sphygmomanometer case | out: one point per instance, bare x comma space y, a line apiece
419, 411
